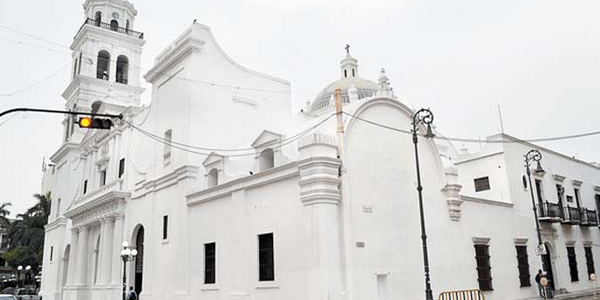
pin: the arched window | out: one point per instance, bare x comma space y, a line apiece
65, 270
103, 63
266, 159
345, 73
114, 25
213, 178
127, 25
98, 18
353, 73
122, 69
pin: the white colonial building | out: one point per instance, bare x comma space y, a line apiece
228, 194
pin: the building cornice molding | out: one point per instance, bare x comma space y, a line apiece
144, 187
106, 205
558, 178
63, 150
521, 241
247, 182
486, 201
459, 160
94, 32
481, 240
576, 183
176, 54
59, 222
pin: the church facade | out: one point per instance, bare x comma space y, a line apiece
225, 193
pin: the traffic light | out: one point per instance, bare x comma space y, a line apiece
95, 123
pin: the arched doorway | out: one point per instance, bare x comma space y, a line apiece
139, 260
547, 261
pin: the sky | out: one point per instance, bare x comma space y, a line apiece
538, 60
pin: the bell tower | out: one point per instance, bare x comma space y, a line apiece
106, 62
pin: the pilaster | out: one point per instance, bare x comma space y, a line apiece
320, 195
73, 256
82, 255
116, 248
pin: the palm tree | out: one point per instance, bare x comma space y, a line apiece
4, 212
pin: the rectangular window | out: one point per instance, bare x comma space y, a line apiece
168, 139
484, 269
85, 186
165, 227
569, 199
523, 265
482, 184
121, 167
266, 259
51, 252
539, 191
572, 263
58, 207
589, 260
210, 267
577, 199
103, 178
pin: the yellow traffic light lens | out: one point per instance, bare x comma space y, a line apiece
85, 122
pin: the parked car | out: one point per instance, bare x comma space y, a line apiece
9, 291
26, 294
7, 297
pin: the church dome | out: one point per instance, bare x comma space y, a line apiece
349, 67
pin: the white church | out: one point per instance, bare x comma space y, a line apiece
274, 204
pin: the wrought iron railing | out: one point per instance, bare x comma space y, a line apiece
550, 210
114, 27
589, 216
573, 215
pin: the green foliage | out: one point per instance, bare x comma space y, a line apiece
26, 234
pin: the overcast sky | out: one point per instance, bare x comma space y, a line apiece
538, 60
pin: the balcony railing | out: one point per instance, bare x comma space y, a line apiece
550, 212
114, 27
590, 217
572, 215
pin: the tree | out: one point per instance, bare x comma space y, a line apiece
26, 234
4, 212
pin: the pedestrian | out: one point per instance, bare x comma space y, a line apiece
131, 294
538, 279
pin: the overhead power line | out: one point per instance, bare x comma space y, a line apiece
468, 140
186, 147
36, 83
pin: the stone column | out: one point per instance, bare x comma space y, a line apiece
320, 195
82, 255
73, 256
117, 240
101, 252
107, 251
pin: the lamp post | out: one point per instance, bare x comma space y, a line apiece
535, 156
19, 269
127, 254
424, 116
27, 270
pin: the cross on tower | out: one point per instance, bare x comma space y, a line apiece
347, 49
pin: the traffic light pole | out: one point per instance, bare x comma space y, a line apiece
51, 111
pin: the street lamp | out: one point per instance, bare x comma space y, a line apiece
127, 254
424, 116
19, 269
27, 269
535, 156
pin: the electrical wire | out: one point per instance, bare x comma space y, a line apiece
9, 118
95, 56
186, 148
467, 140
36, 83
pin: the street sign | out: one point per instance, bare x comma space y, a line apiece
540, 250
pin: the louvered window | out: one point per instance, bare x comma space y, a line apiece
484, 269
266, 259
523, 265
210, 270
572, 264
589, 260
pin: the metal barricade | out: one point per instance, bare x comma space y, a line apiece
462, 295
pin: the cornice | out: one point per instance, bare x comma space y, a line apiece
112, 196
485, 201
143, 188
180, 51
248, 182
62, 151
59, 222
97, 33
558, 178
